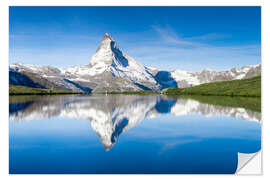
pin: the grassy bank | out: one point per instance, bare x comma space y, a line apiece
23, 90
245, 87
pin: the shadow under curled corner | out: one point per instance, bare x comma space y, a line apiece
249, 164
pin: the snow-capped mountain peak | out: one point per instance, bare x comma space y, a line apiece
110, 58
108, 54
110, 69
108, 36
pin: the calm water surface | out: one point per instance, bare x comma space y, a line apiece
127, 134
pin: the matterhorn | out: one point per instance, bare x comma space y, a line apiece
111, 70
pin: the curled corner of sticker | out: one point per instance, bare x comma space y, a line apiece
249, 163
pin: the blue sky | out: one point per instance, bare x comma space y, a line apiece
188, 38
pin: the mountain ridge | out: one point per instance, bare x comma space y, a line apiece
110, 69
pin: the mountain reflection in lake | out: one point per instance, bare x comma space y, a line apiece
158, 134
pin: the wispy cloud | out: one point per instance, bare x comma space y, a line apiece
193, 53
209, 36
170, 36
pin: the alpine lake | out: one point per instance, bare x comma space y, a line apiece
131, 134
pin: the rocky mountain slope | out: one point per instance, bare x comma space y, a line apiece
181, 78
110, 69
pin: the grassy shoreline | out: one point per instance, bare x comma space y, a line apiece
252, 103
242, 88
22, 90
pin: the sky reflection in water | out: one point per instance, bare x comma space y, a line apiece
128, 134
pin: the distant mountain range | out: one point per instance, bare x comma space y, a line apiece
110, 69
